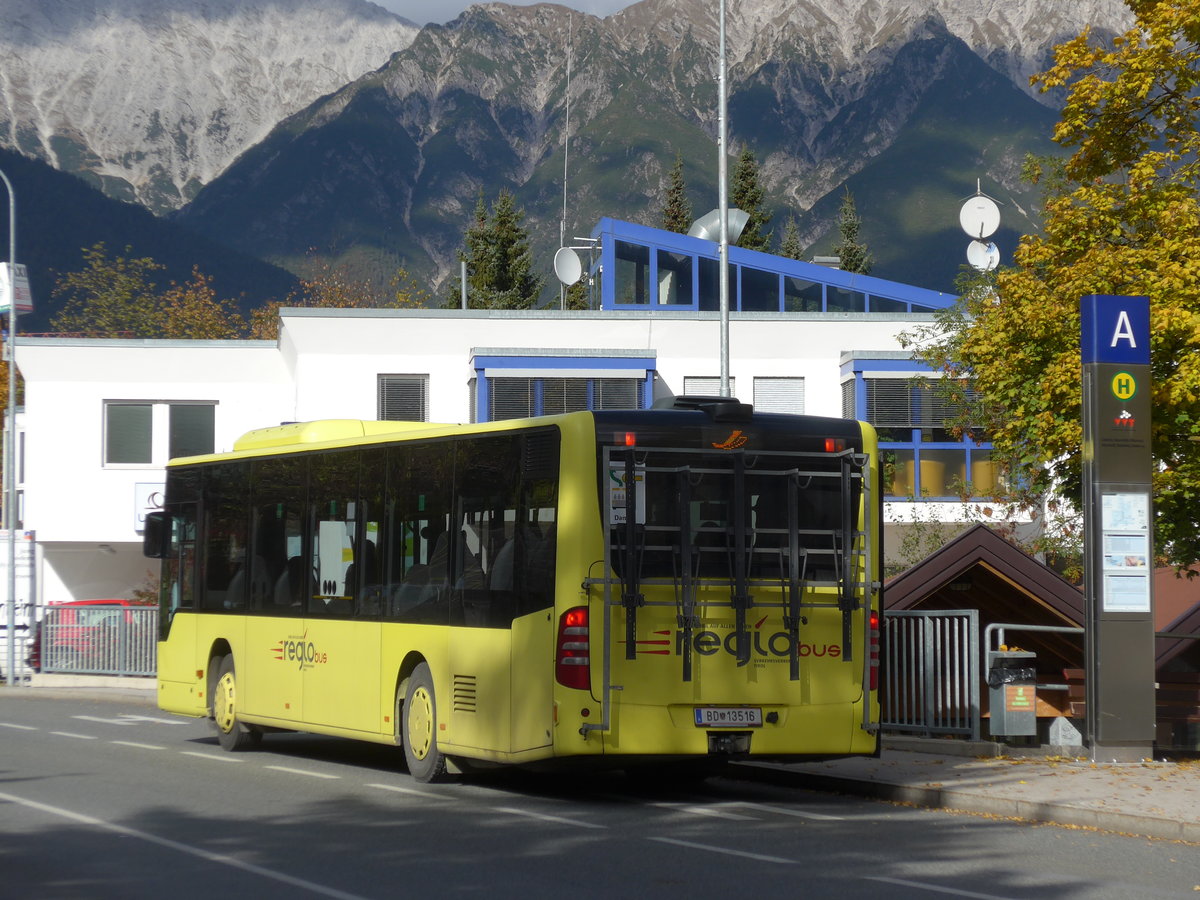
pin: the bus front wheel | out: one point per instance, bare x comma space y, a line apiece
425, 762
231, 733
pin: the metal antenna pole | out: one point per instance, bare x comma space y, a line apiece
723, 206
562, 227
10, 475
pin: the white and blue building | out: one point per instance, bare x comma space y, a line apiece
102, 417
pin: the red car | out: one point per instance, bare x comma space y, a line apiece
77, 629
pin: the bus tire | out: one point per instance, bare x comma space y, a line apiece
232, 734
426, 763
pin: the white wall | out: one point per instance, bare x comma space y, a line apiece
325, 365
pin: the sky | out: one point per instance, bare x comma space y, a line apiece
425, 11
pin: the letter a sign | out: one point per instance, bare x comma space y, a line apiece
1115, 330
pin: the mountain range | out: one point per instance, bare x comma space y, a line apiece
375, 157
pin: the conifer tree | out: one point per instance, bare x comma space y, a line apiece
746, 193
791, 247
853, 253
499, 259
677, 209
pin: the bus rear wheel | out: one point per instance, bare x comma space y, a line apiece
232, 734
426, 763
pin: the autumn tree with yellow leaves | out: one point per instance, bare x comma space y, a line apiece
1121, 217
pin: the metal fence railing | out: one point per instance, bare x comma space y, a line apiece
99, 640
930, 682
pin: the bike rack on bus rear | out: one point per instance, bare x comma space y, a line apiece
628, 540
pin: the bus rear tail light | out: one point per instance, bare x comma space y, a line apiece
874, 651
835, 445
572, 661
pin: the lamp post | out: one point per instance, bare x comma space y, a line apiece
10, 477
723, 205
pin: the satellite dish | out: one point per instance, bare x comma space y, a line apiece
979, 217
567, 265
708, 226
983, 257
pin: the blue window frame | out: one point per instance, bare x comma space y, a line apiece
512, 384
923, 459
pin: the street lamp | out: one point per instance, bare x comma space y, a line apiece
10, 475
723, 206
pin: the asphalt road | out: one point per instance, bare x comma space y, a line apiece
115, 799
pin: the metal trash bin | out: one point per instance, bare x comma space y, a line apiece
1012, 692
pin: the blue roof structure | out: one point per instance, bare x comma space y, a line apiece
639, 267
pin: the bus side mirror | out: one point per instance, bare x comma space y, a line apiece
156, 537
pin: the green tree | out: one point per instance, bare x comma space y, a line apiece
115, 297
1121, 217
791, 246
332, 287
500, 273
746, 193
677, 209
109, 297
853, 253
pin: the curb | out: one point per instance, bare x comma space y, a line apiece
972, 802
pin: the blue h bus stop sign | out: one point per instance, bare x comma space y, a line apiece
1118, 526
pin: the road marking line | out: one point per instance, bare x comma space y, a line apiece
710, 811
136, 744
104, 720
542, 817
129, 717
799, 814
710, 848
302, 772
215, 757
18, 727
71, 734
302, 883
404, 790
936, 888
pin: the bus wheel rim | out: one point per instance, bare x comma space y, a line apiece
420, 723
225, 712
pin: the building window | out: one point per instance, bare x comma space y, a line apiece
633, 274
923, 459
128, 430
779, 395
191, 429
143, 433
403, 398
520, 398
707, 386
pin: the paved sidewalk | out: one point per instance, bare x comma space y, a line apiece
1155, 799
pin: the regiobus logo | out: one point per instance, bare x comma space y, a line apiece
764, 646
299, 650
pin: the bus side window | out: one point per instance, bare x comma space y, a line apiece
423, 511
279, 492
537, 523
226, 495
333, 510
487, 489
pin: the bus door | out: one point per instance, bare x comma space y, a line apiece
273, 584
342, 649
503, 563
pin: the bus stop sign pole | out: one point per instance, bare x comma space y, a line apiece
1118, 527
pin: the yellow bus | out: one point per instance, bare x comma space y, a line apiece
699, 582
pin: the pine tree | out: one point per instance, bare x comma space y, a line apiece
746, 193
791, 247
853, 253
677, 209
499, 259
